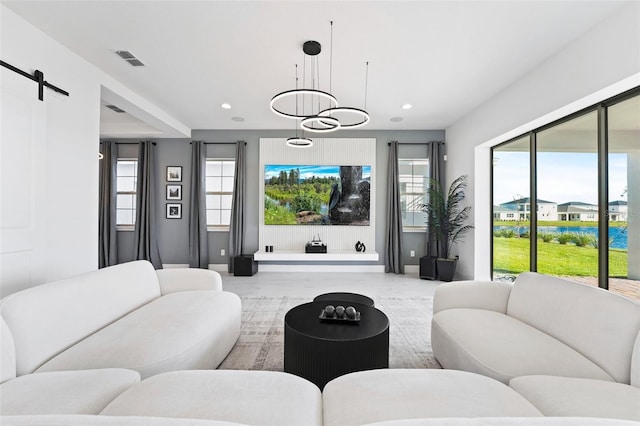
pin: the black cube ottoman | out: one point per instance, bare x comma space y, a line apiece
244, 265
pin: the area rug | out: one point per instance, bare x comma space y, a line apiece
261, 342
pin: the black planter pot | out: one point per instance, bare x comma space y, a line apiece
446, 269
428, 269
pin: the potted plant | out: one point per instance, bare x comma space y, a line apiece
446, 218
428, 268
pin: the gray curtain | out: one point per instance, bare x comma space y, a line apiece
393, 239
107, 238
236, 228
145, 238
198, 240
435, 155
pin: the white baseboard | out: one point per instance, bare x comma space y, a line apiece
219, 267
411, 269
175, 265
222, 267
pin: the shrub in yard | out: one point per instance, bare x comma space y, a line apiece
582, 239
508, 233
595, 242
547, 237
565, 237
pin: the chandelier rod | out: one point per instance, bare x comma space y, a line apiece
366, 85
295, 124
331, 60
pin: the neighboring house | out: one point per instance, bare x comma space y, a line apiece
577, 211
618, 211
547, 210
504, 213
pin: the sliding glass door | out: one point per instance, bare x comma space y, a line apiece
567, 198
511, 208
582, 219
624, 197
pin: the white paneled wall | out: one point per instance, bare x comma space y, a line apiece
325, 151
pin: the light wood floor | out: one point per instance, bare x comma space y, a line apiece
310, 284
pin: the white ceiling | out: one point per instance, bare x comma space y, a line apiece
445, 58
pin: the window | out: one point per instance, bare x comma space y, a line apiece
220, 177
414, 175
126, 184
579, 161
567, 172
511, 191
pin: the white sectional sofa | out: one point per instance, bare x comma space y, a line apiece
263, 398
72, 346
569, 348
125, 316
94, 395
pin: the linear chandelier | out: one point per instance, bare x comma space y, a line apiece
321, 112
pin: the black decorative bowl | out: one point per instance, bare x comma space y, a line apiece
334, 318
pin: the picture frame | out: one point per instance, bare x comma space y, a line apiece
174, 173
174, 192
174, 210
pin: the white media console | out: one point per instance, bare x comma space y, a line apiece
298, 256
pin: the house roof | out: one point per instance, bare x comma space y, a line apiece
577, 204
526, 200
569, 208
504, 209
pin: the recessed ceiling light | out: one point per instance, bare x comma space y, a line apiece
406, 106
396, 119
225, 106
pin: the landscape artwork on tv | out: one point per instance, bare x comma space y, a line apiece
317, 195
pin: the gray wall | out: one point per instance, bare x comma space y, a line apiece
174, 233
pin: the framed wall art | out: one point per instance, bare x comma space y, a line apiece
174, 173
174, 211
174, 192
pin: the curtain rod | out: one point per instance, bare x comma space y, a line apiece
127, 143
220, 143
411, 143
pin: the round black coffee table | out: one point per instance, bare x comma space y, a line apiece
345, 297
320, 351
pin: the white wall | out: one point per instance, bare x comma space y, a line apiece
61, 236
603, 62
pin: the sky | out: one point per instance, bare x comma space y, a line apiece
562, 176
309, 171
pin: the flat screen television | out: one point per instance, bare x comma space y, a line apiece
317, 195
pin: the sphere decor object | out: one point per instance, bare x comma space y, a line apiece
340, 314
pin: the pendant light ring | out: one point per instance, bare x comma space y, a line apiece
299, 142
364, 115
331, 124
296, 92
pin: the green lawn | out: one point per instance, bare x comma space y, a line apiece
511, 256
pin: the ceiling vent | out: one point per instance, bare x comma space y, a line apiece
115, 108
128, 56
